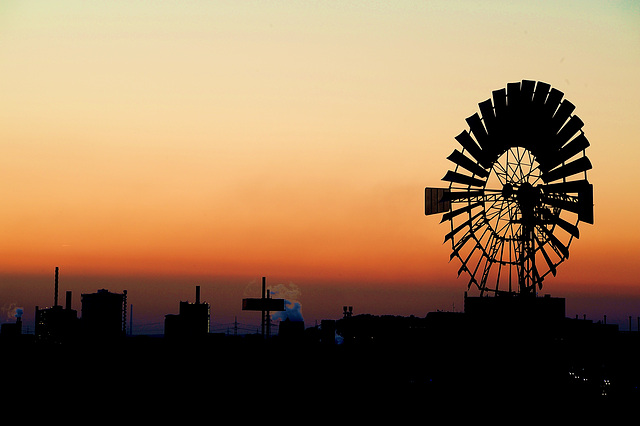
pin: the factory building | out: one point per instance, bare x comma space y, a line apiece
192, 320
12, 329
56, 324
104, 314
291, 330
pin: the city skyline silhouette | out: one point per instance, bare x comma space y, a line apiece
528, 343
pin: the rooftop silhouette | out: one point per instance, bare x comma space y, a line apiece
495, 345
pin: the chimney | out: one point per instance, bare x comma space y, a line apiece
55, 295
264, 313
197, 295
347, 311
68, 304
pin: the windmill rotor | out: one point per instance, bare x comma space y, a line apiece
518, 189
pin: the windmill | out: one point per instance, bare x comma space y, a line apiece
518, 189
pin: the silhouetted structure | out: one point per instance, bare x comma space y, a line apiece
327, 332
265, 305
192, 320
518, 189
104, 314
291, 330
507, 312
504, 346
56, 324
347, 311
517, 192
11, 329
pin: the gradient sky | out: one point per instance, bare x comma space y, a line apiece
155, 146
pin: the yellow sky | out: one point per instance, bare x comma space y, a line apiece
222, 137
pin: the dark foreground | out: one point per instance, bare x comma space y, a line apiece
254, 378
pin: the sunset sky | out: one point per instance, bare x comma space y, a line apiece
156, 146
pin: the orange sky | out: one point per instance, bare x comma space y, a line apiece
204, 141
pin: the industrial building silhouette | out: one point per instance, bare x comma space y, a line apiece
497, 344
191, 322
103, 316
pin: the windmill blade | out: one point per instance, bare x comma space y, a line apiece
553, 159
482, 259
553, 100
540, 93
582, 164
526, 91
499, 125
574, 186
569, 130
548, 217
554, 241
461, 243
552, 266
500, 103
513, 95
463, 179
478, 130
466, 163
488, 116
489, 249
468, 223
453, 232
536, 276
569, 227
561, 116
454, 213
470, 145
563, 204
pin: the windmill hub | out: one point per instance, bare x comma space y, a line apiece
528, 198
525, 195
507, 191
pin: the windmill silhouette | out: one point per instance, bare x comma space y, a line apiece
518, 189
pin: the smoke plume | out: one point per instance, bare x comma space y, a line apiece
293, 308
11, 311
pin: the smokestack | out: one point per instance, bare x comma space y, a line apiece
268, 316
68, 304
264, 314
197, 295
55, 295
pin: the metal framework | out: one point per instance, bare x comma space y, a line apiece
518, 189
